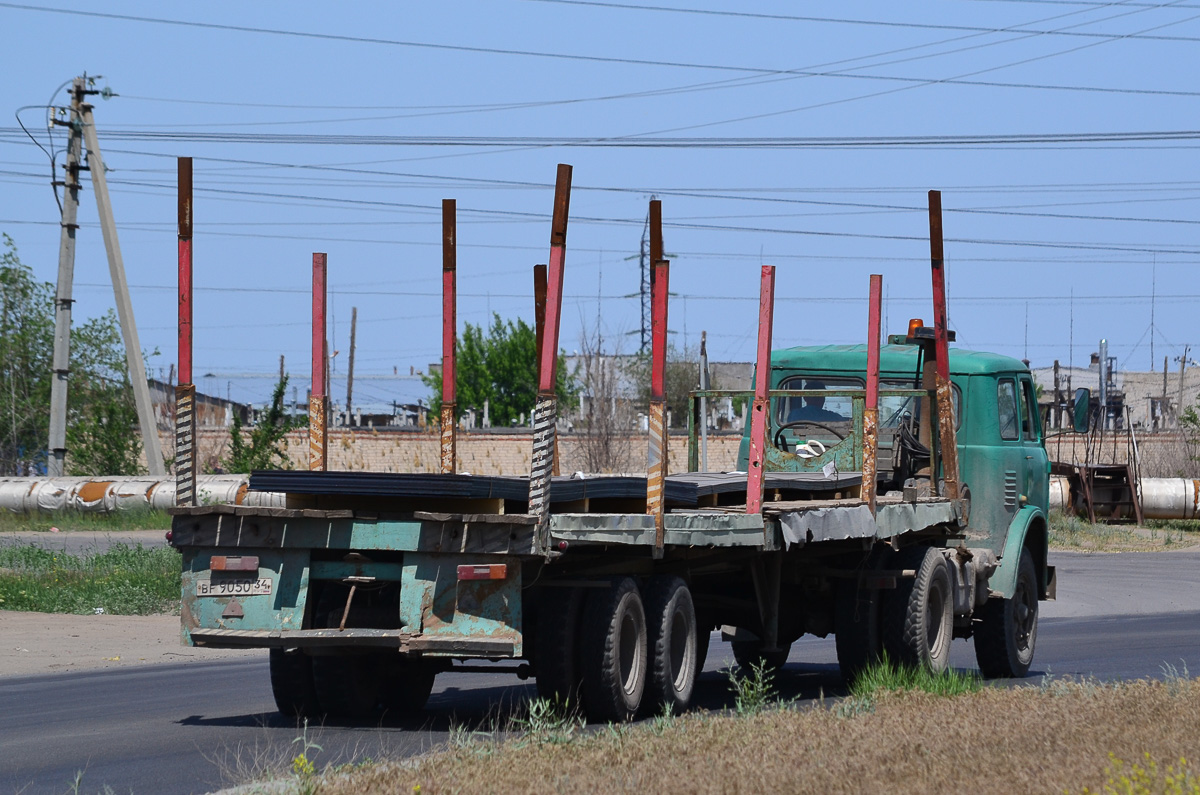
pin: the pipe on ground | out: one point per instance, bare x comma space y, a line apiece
109, 494
1162, 498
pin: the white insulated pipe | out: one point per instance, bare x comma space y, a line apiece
104, 495
1162, 498
1170, 498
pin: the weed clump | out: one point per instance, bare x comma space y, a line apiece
124, 580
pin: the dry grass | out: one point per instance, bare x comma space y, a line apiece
1053, 738
1074, 533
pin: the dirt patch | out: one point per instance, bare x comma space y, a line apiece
44, 643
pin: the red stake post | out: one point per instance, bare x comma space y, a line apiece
947, 439
657, 451
318, 444
762, 383
185, 391
449, 336
545, 413
871, 408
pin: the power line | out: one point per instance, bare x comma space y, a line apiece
886, 23
652, 142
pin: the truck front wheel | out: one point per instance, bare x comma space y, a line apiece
613, 652
673, 644
919, 614
1007, 628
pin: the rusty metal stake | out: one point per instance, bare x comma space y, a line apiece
318, 443
871, 407
545, 413
947, 439
657, 445
449, 336
346, 612
185, 392
760, 410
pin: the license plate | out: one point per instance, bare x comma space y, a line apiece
234, 586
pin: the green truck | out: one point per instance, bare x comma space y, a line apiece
363, 597
891, 496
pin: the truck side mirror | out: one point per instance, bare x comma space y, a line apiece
1082, 410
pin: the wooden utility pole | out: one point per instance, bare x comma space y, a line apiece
66, 277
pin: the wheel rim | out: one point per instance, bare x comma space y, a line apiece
630, 651
683, 648
1024, 614
938, 621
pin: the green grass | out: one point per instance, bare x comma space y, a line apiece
884, 676
123, 580
134, 519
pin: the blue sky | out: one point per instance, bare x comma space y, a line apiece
352, 86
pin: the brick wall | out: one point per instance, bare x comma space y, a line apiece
370, 450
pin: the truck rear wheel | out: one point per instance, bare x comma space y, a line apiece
672, 640
556, 654
613, 636
919, 616
347, 684
1007, 629
406, 686
292, 683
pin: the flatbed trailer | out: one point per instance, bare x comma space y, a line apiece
604, 589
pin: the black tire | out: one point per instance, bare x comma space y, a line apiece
348, 685
1006, 633
556, 655
856, 628
406, 686
919, 614
748, 653
614, 654
672, 641
292, 683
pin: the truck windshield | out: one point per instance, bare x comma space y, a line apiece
834, 408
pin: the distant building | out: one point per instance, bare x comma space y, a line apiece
1151, 401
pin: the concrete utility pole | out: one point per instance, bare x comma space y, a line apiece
66, 276
350, 374
116, 268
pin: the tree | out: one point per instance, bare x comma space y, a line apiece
26, 349
265, 448
102, 432
103, 437
606, 419
681, 376
501, 369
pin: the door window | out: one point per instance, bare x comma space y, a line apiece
1029, 412
1006, 400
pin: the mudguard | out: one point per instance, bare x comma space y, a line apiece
1029, 523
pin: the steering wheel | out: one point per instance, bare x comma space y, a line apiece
781, 442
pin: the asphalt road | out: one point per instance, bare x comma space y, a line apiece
194, 728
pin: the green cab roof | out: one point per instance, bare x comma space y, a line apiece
893, 360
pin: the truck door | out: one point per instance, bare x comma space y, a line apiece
1035, 483
1010, 448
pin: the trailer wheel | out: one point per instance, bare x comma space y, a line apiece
406, 686
347, 684
920, 612
613, 652
856, 628
556, 654
673, 642
748, 653
1006, 632
292, 683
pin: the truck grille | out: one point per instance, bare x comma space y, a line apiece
1010, 489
